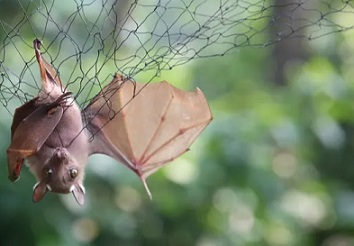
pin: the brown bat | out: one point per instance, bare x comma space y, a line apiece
142, 126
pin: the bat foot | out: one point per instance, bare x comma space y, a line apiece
62, 100
37, 44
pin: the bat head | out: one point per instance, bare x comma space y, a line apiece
61, 174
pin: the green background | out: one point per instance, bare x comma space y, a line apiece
274, 167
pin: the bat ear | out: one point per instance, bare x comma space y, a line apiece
79, 193
39, 191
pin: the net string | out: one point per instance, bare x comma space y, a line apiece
89, 41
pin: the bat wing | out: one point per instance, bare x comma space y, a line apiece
31, 127
145, 126
21, 113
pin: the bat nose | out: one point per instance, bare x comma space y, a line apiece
60, 154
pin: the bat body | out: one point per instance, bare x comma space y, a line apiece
141, 126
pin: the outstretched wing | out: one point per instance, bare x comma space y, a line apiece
145, 126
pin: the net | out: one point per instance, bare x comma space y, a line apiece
88, 41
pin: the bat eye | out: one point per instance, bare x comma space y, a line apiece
73, 173
48, 172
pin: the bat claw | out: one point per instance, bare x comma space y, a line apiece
37, 44
61, 101
13, 177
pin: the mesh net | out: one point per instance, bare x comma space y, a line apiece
88, 41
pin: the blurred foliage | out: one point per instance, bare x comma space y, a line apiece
275, 167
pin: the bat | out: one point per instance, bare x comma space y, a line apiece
143, 126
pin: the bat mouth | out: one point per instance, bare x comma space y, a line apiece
58, 189
58, 185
